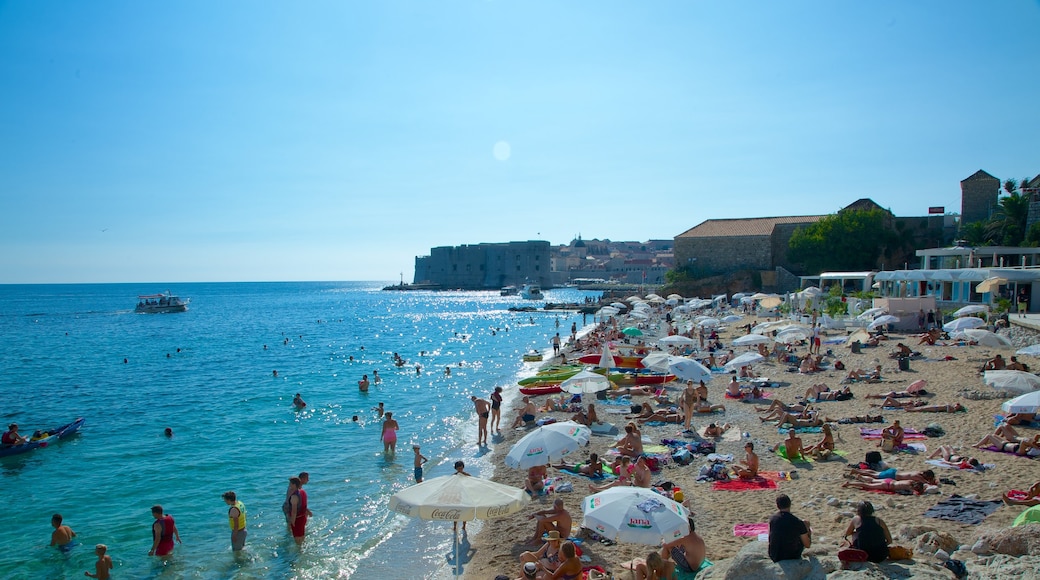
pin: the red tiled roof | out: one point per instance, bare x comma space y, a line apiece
724, 228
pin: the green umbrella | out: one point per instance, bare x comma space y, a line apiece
632, 331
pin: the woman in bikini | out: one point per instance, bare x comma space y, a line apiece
623, 468
547, 558
954, 408
892, 485
949, 455
571, 567
496, 410
824, 448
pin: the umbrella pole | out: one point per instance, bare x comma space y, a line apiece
455, 541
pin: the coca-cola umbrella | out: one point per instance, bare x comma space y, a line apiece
459, 498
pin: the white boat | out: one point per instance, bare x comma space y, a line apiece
508, 291
531, 292
160, 303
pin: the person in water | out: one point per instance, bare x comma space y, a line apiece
62, 534
164, 532
298, 401
103, 564
237, 520
389, 434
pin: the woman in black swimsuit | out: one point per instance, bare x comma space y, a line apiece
496, 410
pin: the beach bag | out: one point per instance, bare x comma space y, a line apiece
682, 456
850, 555
564, 486
900, 553
873, 459
888, 445
957, 567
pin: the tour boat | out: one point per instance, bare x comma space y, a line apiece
160, 303
531, 292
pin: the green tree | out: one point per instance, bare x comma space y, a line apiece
845, 241
974, 234
1007, 227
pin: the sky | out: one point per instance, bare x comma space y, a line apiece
197, 141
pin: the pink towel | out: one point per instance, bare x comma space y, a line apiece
751, 529
744, 484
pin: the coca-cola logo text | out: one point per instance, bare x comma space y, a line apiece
445, 515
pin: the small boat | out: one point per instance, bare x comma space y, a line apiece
536, 389
642, 377
508, 291
622, 362
161, 303
531, 291
42, 439
533, 357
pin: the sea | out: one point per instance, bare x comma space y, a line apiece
209, 374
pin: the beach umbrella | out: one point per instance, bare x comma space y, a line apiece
631, 331
607, 311
547, 443
708, 322
641, 315
963, 323
634, 299
731, 318
671, 302
792, 335
459, 498
606, 358
869, 313
750, 340
860, 335
635, 514
971, 309
688, 369
771, 302
585, 382
743, 360
1017, 381
990, 284
984, 337
675, 339
883, 320
1031, 350
674, 297
652, 296
656, 361
1026, 403
619, 305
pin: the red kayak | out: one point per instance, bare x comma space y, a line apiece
643, 378
541, 389
622, 362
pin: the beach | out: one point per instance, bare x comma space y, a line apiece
952, 376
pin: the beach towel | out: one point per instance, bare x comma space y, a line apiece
875, 434
781, 452
759, 483
1017, 495
1031, 454
783, 430
940, 463
776, 476
683, 575
963, 510
752, 530
731, 435
602, 428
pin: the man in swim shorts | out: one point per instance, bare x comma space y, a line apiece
298, 512
483, 408
419, 460
687, 552
62, 534
526, 414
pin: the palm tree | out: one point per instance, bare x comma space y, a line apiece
1007, 227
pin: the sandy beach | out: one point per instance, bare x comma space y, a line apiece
952, 375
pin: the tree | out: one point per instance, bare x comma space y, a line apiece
846, 241
1007, 227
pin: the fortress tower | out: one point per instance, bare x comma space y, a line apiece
978, 197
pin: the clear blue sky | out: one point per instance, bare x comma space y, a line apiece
331, 140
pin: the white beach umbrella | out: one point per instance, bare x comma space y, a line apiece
671, 302
547, 443
651, 296
674, 297
963, 323
1025, 403
984, 337
764, 327
708, 323
459, 498
792, 335
971, 309
883, 320
606, 358
748, 358
771, 302
656, 361
688, 369
990, 284
638, 314
750, 340
675, 339
731, 318
634, 299
635, 514
860, 335
619, 305
607, 311
585, 382
1016, 381
1031, 350
869, 313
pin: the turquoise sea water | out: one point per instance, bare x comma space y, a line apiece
207, 375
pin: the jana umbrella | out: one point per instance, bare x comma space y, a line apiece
971, 309
675, 339
688, 369
869, 313
1031, 350
984, 338
547, 443
750, 340
632, 331
456, 498
745, 359
963, 323
990, 284
585, 382
635, 514
1016, 381
619, 305
1027, 403
883, 320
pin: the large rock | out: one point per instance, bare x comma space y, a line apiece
752, 562
1019, 541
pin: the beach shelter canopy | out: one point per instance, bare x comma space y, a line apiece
745, 359
585, 382
984, 337
635, 514
963, 323
750, 340
971, 309
675, 339
1025, 403
1016, 381
1031, 350
547, 443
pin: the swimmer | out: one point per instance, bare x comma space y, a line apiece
62, 534
380, 410
168, 432
298, 401
103, 564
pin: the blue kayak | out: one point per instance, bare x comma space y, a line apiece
42, 439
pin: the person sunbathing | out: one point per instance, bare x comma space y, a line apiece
829, 395
1019, 418
862, 419
825, 447
891, 403
632, 442
623, 468
950, 456
892, 485
869, 475
664, 417
1014, 365
733, 388
630, 391
645, 411
1030, 499
747, 372
592, 468
713, 431
792, 446
1007, 446
747, 468
894, 433
807, 365
901, 351
706, 407
862, 375
805, 419
814, 391
994, 364
535, 482
954, 408
778, 406
898, 394
929, 337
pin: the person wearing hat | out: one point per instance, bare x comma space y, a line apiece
11, 437
547, 558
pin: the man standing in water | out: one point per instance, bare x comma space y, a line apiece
389, 435
103, 564
298, 512
62, 534
362, 385
483, 412
164, 531
237, 521
556, 344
